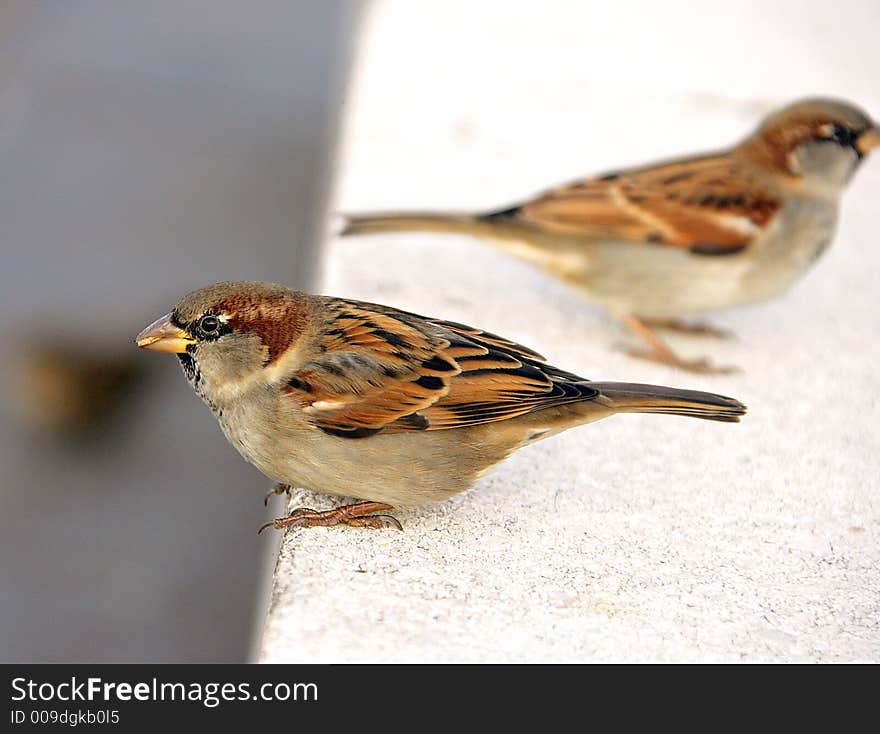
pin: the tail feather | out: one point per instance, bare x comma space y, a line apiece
355, 224
626, 397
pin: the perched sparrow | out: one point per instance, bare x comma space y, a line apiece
366, 401
654, 244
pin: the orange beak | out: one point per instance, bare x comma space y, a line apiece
868, 140
163, 336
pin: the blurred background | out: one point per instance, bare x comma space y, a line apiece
146, 149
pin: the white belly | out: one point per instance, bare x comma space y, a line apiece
401, 469
664, 282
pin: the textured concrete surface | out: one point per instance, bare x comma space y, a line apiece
640, 537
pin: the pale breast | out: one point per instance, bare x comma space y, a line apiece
663, 282
400, 469
802, 233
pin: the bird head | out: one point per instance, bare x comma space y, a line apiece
229, 335
818, 143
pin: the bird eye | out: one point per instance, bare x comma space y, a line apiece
840, 135
209, 324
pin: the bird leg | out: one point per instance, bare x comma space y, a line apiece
359, 515
659, 351
682, 327
279, 488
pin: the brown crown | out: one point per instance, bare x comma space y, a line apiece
277, 319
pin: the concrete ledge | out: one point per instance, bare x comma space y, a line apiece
639, 537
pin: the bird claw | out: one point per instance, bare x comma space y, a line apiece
359, 515
700, 366
294, 520
682, 327
658, 351
277, 489
375, 521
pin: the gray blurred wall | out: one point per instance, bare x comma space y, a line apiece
146, 149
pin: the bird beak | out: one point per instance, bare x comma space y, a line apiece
868, 140
163, 336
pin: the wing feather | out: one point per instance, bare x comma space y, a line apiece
710, 205
385, 370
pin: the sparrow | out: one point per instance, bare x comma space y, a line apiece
654, 244
361, 400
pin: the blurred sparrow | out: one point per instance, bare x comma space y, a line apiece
65, 390
654, 244
366, 401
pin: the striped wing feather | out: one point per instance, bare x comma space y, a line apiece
382, 369
708, 204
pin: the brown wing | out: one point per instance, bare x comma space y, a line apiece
382, 369
710, 205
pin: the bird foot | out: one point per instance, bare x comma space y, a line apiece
700, 366
277, 489
359, 515
682, 327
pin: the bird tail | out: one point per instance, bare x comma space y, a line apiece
628, 397
354, 224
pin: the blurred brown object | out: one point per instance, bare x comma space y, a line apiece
67, 391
